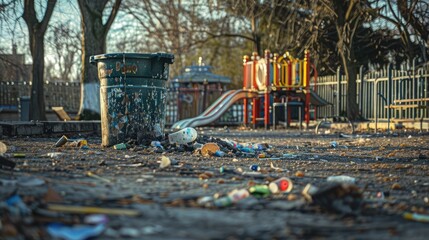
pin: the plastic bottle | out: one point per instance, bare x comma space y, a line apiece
260, 190
283, 184
238, 194
342, 179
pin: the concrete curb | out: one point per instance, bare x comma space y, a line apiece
47, 128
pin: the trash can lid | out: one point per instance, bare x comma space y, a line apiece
168, 57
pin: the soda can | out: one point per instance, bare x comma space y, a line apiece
120, 146
63, 140
260, 190
255, 168
283, 184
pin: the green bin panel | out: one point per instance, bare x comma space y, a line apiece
132, 96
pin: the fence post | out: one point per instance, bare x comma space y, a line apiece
389, 94
339, 91
361, 90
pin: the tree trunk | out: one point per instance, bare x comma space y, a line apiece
94, 34
36, 33
351, 74
37, 99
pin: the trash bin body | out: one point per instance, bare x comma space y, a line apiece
24, 108
132, 95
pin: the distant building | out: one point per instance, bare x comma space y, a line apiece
13, 67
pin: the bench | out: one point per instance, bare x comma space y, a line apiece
403, 104
61, 113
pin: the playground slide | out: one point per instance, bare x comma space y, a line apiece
315, 99
216, 109
209, 109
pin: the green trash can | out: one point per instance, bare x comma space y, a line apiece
132, 95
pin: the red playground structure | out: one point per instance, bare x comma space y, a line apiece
269, 82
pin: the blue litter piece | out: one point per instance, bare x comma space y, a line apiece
77, 232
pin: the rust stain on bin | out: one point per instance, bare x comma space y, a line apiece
132, 95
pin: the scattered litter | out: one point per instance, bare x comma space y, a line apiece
92, 210
219, 153
54, 154
205, 201
299, 174
283, 184
255, 168
396, 186
223, 169
90, 174
340, 198
157, 144
165, 162
232, 197
416, 217
82, 143
238, 194
209, 149
3, 148
308, 192
62, 141
260, 190
223, 201
120, 146
17, 207
96, 219
277, 168
131, 165
78, 232
183, 136
341, 179
334, 144
18, 155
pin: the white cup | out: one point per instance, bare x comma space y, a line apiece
183, 136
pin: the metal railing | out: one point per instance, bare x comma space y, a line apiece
64, 94
376, 90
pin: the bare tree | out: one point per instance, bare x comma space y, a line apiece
36, 33
348, 16
64, 42
416, 14
94, 33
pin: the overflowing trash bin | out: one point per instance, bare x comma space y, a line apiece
132, 95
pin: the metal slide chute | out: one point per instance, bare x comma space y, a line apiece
215, 110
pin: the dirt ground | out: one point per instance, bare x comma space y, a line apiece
136, 194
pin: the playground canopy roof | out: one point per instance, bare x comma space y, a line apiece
200, 74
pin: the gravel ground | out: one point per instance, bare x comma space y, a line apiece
139, 199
